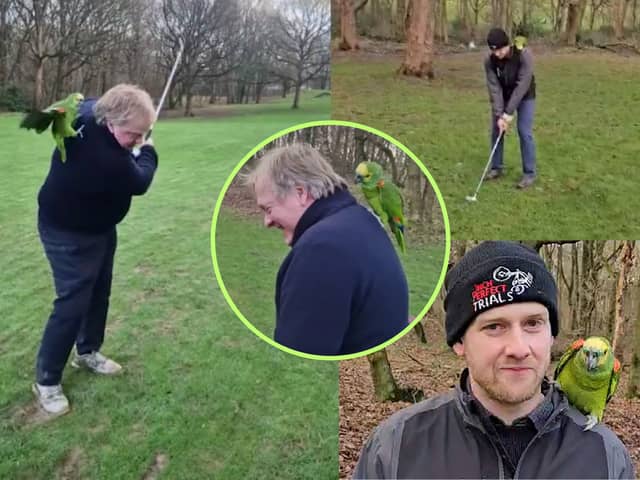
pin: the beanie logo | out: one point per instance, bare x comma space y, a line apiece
490, 293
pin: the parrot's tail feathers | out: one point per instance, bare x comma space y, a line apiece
37, 120
400, 239
61, 149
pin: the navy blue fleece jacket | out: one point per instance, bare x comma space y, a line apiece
342, 288
91, 192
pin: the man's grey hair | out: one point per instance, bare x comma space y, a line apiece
296, 165
123, 103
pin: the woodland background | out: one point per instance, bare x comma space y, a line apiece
599, 294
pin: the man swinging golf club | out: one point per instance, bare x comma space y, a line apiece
80, 204
512, 87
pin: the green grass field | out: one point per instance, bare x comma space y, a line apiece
249, 257
586, 129
201, 396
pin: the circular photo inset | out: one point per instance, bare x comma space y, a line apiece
330, 240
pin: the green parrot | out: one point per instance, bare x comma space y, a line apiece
384, 198
520, 42
60, 115
589, 373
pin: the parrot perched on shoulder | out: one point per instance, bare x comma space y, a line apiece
520, 42
384, 198
60, 115
588, 373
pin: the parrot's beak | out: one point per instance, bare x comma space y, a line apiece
592, 361
358, 178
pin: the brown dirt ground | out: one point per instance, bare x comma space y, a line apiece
434, 368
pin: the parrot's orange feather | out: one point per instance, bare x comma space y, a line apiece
577, 345
380, 183
616, 365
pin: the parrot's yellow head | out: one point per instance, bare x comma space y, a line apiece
368, 173
77, 97
595, 352
362, 172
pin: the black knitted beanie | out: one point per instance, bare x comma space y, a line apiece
492, 274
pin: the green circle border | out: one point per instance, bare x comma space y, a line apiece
216, 212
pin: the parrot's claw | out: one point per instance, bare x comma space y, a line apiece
79, 131
592, 420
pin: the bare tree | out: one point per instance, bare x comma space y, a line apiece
300, 41
206, 28
73, 32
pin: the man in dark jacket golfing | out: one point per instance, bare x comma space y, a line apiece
512, 88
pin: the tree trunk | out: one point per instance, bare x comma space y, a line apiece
383, 382
259, 87
575, 301
626, 261
419, 331
187, 106
618, 13
348, 33
419, 57
39, 85
296, 98
634, 376
574, 15
444, 30
401, 14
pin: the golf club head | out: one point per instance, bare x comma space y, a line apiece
471, 198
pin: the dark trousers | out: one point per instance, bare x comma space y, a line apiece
526, 112
82, 266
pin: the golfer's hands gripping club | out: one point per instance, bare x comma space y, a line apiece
504, 122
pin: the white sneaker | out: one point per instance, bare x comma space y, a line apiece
51, 398
97, 363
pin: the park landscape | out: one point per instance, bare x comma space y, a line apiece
200, 397
432, 96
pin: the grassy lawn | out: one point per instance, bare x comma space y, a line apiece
201, 397
586, 130
249, 257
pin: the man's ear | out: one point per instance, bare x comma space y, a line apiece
458, 347
303, 195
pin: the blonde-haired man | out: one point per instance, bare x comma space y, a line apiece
80, 203
342, 288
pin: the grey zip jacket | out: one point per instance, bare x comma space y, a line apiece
510, 81
444, 437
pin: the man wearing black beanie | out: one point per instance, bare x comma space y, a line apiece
512, 87
504, 419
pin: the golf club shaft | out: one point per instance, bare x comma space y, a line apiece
167, 85
484, 173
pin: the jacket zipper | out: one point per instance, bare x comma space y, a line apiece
501, 475
536, 437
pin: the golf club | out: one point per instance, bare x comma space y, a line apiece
474, 197
136, 150
167, 85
